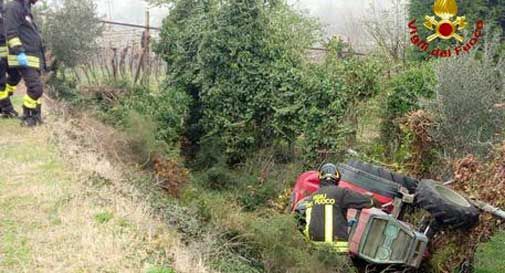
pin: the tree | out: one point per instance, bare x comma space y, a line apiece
71, 30
241, 62
386, 26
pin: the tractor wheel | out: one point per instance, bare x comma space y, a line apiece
448, 207
406, 181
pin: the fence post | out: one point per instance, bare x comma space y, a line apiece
147, 44
145, 41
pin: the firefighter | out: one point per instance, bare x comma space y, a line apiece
26, 55
325, 211
6, 90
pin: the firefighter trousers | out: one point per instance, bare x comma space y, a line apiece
7, 86
33, 82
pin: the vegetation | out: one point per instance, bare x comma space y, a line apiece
243, 111
69, 209
489, 257
407, 90
466, 105
71, 31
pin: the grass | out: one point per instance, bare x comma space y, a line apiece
54, 218
103, 217
490, 257
160, 270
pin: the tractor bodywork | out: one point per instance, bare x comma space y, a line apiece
379, 238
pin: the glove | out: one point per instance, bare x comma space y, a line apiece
22, 59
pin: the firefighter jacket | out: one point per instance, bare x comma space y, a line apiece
326, 214
22, 34
3, 43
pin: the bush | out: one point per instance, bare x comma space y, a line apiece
241, 63
218, 178
64, 90
254, 195
406, 91
71, 31
284, 249
332, 91
167, 110
466, 110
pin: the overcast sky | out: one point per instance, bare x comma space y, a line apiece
337, 16
331, 12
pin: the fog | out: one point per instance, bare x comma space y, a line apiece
333, 13
338, 17
131, 11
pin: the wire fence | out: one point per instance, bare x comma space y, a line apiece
124, 56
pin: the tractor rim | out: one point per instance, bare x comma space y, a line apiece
452, 196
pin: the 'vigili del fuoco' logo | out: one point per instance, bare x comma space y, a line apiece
446, 25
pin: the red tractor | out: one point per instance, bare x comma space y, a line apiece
380, 236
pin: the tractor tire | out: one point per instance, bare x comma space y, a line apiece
406, 181
447, 207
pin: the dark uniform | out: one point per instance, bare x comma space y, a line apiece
6, 90
326, 214
23, 36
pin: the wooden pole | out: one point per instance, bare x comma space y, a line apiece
147, 42
145, 51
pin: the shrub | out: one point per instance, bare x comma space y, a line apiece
71, 31
167, 110
241, 63
283, 249
254, 195
466, 106
332, 91
64, 90
406, 92
218, 178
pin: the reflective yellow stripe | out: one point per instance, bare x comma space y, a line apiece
342, 244
4, 94
342, 250
33, 61
10, 88
14, 42
328, 223
308, 217
29, 102
3, 51
337, 249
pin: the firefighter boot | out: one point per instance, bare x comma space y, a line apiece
30, 117
38, 113
7, 110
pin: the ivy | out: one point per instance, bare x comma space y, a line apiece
244, 65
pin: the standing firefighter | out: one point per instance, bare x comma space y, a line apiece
26, 54
6, 90
325, 212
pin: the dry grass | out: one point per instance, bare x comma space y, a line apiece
64, 207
